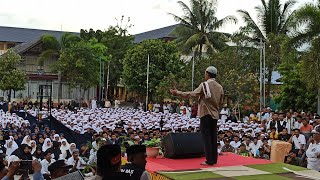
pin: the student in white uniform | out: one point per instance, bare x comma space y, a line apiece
313, 152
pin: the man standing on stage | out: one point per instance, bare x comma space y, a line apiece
210, 94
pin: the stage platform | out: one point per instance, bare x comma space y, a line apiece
229, 166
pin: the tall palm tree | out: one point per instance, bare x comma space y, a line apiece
199, 25
308, 16
274, 20
52, 47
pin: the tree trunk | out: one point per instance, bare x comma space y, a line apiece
9, 96
318, 108
269, 88
200, 51
59, 87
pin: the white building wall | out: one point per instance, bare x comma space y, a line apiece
32, 89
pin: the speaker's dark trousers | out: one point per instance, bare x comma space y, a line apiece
208, 128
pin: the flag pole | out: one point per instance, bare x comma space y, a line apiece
147, 97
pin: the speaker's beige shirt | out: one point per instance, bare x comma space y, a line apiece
207, 106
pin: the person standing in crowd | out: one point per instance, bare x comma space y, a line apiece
156, 107
93, 104
290, 122
306, 129
281, 123
298, 123
313, 151
194, 110
224, 114
273, 122
210, 95
117, 103
136, 165
165, 108
299, 142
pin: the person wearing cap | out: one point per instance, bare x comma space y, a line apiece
59, 169
136, 166
109, 163
210, 94
224, 113
227, 147
76, 161
313, 151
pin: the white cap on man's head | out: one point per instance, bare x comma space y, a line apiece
212, 70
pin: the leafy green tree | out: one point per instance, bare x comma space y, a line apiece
11, 78
309, 17
199, 25
310, 65
293, 94
118, 41
52, 47
237, 73
80, 63
274, 19
164, 59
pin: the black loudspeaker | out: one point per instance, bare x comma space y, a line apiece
183, 145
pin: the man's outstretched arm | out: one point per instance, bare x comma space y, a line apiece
196, 93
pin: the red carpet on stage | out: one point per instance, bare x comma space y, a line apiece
229, 159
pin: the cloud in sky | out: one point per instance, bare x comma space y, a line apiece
72, 15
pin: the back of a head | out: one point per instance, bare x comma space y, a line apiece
108, 160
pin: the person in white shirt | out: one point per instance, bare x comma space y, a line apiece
255, 146
299, 142
165, 108
93, 104
235, 143
247, 143
156, 107
224, 113
46, 162
298, 124
290, 122
117, 103
76, 161
313, 152
267, 114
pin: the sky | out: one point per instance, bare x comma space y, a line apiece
73, 15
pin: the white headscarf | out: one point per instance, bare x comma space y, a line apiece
9, 150
33, 148
74, 148
64, 148
45, 146
54, 137
24, 141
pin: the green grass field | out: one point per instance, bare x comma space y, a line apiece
276, 170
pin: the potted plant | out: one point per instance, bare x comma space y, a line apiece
153, 147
